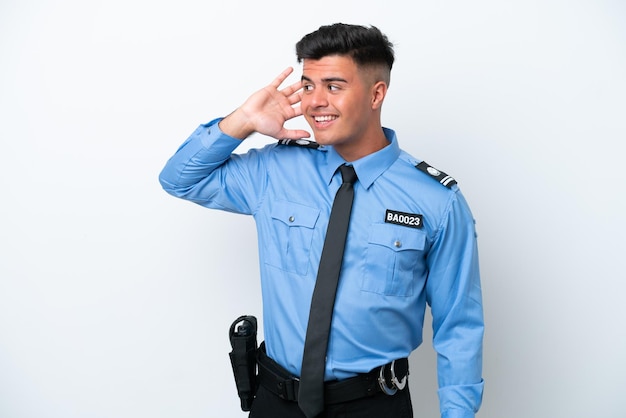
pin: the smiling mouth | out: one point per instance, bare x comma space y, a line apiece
324, 118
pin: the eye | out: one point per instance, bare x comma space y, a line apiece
307, 87
333, 87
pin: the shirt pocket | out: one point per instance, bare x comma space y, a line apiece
293, 225
394, 254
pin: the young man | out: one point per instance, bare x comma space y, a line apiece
410, 239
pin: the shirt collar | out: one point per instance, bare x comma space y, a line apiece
370, 167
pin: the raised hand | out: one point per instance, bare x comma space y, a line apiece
266, 112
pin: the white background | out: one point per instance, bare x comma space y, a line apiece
115, 298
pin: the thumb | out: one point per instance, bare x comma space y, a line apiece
293, 134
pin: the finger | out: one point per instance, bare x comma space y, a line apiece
281, 77
295, 98
294, 134
289, 90
297, 111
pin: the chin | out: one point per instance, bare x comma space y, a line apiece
324, 138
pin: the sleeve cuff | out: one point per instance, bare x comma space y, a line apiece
461, 401
210, 133
457, 413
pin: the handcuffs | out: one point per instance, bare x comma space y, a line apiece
396, 384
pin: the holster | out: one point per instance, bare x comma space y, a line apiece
243, 340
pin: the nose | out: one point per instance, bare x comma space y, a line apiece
318, 98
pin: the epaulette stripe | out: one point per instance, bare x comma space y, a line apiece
299, 143
447, 180
440, 176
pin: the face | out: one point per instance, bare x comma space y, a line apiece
342, 105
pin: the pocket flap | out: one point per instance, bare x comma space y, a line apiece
397, 238
295, 214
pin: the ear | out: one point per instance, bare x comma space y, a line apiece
379, 91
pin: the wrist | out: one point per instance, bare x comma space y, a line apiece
236, 125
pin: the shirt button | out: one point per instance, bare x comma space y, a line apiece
291, 219
397, 244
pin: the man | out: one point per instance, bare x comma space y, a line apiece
410, 239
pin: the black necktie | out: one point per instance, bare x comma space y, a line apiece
311, 392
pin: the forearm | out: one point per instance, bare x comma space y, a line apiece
458, 341
459, 366
198, 157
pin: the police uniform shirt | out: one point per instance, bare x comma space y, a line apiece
411, 241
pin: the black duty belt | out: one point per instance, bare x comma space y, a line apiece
387, 379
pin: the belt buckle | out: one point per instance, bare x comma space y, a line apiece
396, 384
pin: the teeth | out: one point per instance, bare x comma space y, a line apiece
324, 118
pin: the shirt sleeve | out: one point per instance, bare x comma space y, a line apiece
205, 171
454, 295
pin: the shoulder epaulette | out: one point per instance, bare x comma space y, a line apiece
305, 143
438, 175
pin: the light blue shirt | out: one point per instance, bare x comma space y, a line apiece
411, 242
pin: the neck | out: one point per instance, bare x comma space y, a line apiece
371, 143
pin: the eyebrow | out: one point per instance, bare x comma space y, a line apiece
326, 80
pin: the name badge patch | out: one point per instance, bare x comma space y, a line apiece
411, 220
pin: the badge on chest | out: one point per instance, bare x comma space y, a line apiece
412, 220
